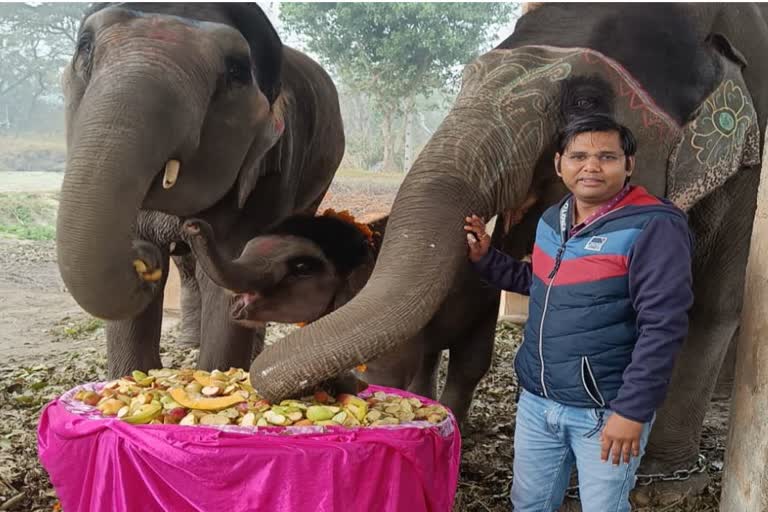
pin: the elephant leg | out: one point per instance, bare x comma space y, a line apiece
724, 385
259, 335
190, 301
223, 344
722, 225
397, 368
674, 440
135, 344
425, 381
469, 361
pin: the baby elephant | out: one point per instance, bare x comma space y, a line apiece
307, 266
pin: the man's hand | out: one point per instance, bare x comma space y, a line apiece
478, 240
620, 437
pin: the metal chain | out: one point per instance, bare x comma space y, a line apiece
679, 475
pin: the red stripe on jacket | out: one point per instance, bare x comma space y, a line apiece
579, 270
637, 196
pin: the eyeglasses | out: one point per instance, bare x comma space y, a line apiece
603, 157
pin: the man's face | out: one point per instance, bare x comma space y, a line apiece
594, 167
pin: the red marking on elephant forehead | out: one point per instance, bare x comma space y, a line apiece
265, 245
164, 30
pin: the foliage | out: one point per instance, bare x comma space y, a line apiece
36, 42
391, 53
394, 50
77, 329
27, 216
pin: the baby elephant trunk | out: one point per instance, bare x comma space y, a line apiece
234, 275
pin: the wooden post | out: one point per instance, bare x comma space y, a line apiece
745, 482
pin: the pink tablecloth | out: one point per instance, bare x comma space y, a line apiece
106, 465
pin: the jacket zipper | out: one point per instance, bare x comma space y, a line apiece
558, 259
552, 274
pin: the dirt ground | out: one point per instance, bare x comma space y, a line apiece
48, 345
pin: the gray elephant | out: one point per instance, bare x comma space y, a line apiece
306, 266
690, 80
176, 110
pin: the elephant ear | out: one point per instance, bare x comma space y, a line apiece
267, 56
723, 45
353, 283
722, 138
266, 46
254, 166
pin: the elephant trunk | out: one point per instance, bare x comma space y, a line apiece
240, 277
117, 146
464, 169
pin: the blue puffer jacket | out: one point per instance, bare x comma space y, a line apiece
608, 306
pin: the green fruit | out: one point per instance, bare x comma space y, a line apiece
319, 413
144, 414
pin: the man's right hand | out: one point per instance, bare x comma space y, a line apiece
478, 240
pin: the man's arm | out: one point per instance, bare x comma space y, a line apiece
660, 285
505, 272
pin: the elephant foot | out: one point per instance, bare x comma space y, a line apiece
188, 340
656, 496
663, 494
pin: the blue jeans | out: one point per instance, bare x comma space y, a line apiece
549, 439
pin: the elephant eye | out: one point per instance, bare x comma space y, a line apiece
239, 71
84, 51
585, 103
303, 267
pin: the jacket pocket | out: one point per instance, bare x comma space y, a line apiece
589, 382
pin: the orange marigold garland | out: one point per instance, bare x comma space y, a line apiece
348, 217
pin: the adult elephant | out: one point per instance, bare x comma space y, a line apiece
689, 80
176, 110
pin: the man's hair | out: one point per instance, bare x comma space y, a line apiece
596, 123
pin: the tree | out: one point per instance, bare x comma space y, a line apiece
394, 52
36, 42
745, 482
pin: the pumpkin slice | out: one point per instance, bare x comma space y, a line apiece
205, 404
203, 377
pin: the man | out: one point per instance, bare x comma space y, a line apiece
610, 288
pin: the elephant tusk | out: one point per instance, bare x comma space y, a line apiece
171, 173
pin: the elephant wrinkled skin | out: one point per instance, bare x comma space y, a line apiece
175, 110
690, 80
308, 266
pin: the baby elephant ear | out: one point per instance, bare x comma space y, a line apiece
353, 283
722, 138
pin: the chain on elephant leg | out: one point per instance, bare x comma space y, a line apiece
673, 465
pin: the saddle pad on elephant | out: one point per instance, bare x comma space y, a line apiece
98, 463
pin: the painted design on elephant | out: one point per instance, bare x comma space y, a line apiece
507, 70
723, 137
517, 84
659, 124
559, 63
724, 119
